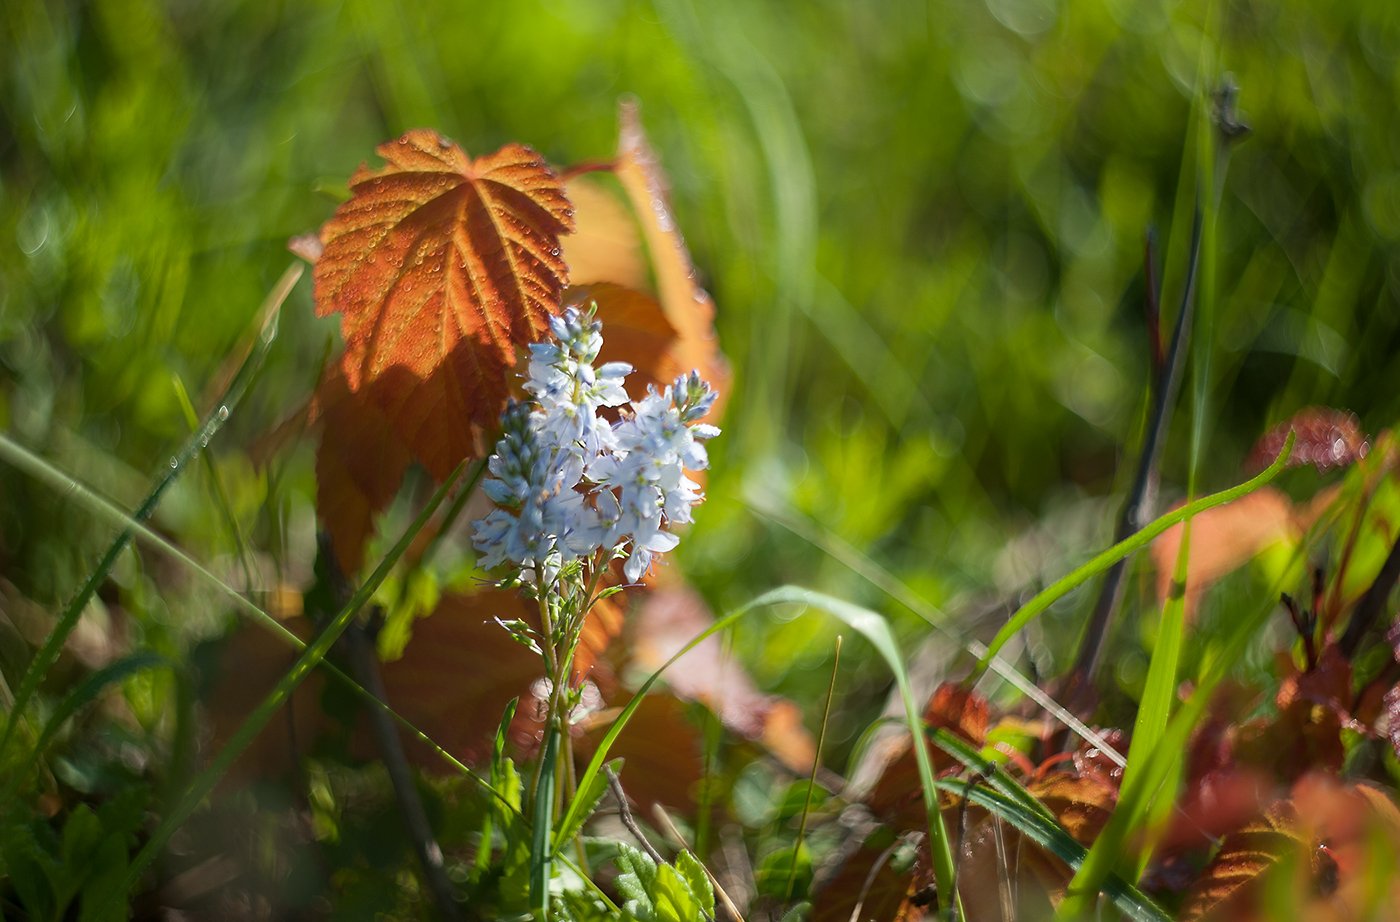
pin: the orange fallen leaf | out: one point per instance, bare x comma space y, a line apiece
441, 268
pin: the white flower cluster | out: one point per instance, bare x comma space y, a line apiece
566, 482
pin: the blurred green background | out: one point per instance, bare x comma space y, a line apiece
922, 224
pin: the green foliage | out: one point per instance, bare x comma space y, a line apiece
677, 892
82, 865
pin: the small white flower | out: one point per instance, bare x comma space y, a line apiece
567, 483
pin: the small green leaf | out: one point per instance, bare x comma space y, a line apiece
693, 872
673, 899
636, 882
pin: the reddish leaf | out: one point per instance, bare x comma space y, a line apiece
1313, 707
441, 268
1216, 804
997, 866
863, 886
1082, 803
669, 618
461, 668
459, 671
1328, 683
1390, 717
1340, 840
635, 330
1244, 856
248, 665
453, 682
1090, 760
1222, 540
1327, 438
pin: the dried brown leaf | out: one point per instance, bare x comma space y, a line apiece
605, 245
687, 305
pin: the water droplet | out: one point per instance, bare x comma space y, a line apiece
223, 414
174, 463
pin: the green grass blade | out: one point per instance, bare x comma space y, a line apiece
1105, 559
816, 765
1160, 764
309, 658
53, 644
542, 818
998, 779
875, 629
590, 796
1159, 691
877, 576
1050, 836
216, 485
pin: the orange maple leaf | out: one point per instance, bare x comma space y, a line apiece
441, 268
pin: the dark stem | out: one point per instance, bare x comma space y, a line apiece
364, 663
1372, 603
1137, 508
330, 592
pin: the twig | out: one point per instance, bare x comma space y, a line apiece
624, 813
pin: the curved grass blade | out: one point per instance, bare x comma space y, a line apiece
590, 796
1105, 559
309, 658
974, 761
1159, 691
48, 653
876, 575
877, 631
